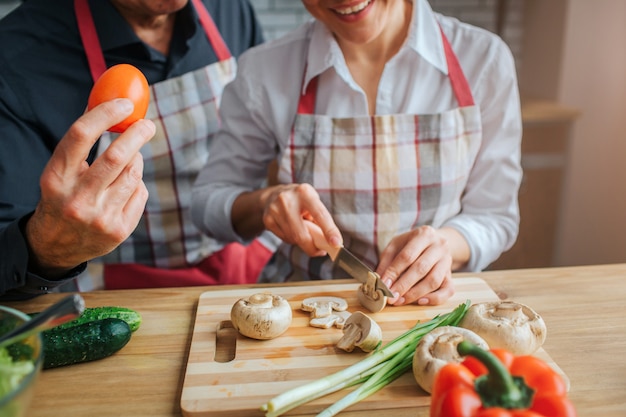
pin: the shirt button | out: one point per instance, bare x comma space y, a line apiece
43, 288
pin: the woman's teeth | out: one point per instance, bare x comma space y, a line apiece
354, 9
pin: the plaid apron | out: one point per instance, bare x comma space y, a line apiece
166, 249
379, 176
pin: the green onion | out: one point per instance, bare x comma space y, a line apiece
374, 372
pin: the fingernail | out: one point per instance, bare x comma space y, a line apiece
388, 283
422, 301
335, 241
125, 104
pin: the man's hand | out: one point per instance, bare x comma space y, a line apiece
86, 211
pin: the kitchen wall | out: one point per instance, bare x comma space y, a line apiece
576, 57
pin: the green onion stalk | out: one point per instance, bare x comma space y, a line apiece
373, 373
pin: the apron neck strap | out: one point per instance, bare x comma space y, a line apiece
218, 44
89, 37
457, 78
306, 105
93, 50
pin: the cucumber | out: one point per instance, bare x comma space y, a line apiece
84, 342
130, 316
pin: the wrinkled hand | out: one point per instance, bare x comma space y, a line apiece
86, 211
289, 212
417, 265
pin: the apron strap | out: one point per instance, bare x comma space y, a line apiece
457, 78
219, 46
89, 37
306, 105
459, 83
93, 50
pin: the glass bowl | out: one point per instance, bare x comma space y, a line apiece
20, 366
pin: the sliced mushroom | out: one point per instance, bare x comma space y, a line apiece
360, 331
261, 316
337, 319
323, 306
372, 299
436, 349
508, 325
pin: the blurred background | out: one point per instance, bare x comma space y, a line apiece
571, 66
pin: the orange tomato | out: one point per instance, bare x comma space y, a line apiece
122, 81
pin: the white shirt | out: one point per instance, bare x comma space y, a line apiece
258, 109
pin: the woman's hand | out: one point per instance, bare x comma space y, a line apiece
291, 208
417, 265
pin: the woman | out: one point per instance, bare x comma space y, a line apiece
397, 133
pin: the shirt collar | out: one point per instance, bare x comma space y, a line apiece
324, 53
424, 38
114, 32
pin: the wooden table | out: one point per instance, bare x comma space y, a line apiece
584, 308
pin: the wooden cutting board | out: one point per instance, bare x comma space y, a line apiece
218, 384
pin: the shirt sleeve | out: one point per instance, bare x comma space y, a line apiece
16, 281
238, 158
489, 218
20, 169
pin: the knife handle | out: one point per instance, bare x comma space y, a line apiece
320, 241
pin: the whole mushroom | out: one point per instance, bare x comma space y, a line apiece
261, 316
507, 325
436, 349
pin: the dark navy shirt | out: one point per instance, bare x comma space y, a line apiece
44, 85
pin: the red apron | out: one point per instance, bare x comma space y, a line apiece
166, 249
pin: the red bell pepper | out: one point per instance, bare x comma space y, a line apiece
497, 383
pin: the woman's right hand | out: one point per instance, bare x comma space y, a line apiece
289, 211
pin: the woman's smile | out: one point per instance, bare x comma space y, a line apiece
349, 10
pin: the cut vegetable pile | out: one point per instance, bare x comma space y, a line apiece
12, 371
374, 372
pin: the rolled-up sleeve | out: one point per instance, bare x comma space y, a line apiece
239, 157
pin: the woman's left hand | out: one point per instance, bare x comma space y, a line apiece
417, 266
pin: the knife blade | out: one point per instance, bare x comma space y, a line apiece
358, 270
346, 260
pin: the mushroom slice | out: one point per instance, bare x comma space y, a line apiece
508, 325
372, 299
337, 319
436, 349
323, 306
360, 331
261, 316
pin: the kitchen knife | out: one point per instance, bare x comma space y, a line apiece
346, 260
